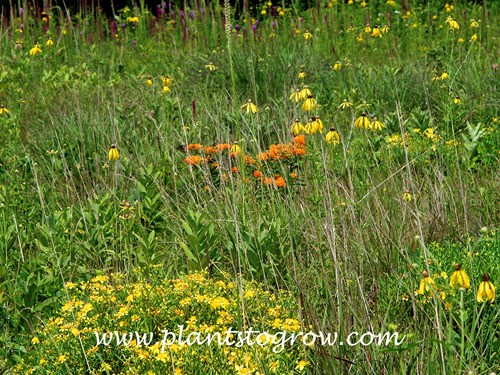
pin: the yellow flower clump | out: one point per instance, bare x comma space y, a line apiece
109, 304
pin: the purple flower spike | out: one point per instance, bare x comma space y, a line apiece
191, 14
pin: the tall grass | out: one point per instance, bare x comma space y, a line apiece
340, 237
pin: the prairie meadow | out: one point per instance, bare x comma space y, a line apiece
283, 167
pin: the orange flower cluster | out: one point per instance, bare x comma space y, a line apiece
277, 181
194, 160
276, 152
285, 151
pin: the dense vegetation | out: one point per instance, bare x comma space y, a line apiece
367, 154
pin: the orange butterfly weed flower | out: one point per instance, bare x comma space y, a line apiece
234, 169
280, 182
257, 173
248, 160
194, 146
263, 156
300, 139
267, 180
223, 146
194, 160
209, 150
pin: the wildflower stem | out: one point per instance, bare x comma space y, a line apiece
227, 16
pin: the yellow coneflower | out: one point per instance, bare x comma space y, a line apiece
317, 125
368, 29
391, 3
308, 127
459, 278
452, 23
166, 89
307, 35
448, 8
211, 67
444, 75
345, 104
337, 66
376, 32
362, 121
407, 197
473, 38
427, 284
474, 24
235, 149
486, 291
384, 29
297, 127
45, 17
36, 50
49, 42
359, 38
167, 81
295, 96
113, 153
309, 104
302, 74
3, 110
332, 137
149, 82
305, 93
249, 107
457, 100
376, 125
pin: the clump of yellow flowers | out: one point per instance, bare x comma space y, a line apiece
151, 303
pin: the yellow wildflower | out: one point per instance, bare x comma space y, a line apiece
376, 124
49, 42
113, 153
362, 121
297, 127
36, 50
301, 365
333, 137
337, 66
249, 107
427, 284
309, 104
407, 197
295, 96
307, 35
486, 291
235, 149
345, 104
305, 93
211, 67
459, 278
